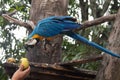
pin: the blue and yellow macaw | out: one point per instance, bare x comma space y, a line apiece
55, 25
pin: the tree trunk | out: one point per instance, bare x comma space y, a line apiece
50, 53
111, 65
84, 9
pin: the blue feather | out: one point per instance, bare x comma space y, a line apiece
55, 25
80, 38
52, 26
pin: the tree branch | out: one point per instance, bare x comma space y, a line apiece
85, 24
12, 13
13, 20
53, 71
97, 21
81, 61
16, 21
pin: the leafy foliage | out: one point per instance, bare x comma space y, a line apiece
73, 8
13, 47
98, 34
10, 45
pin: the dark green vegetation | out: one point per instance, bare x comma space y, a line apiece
11, 46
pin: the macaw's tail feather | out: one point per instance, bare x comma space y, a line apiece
80, 38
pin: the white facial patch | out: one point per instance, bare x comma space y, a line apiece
31, 42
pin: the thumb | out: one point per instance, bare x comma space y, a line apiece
21, 67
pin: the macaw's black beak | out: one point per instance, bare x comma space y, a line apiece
28, 46
31, 43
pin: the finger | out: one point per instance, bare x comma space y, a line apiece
27, 70
21, 67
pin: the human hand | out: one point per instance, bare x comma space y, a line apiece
21, 74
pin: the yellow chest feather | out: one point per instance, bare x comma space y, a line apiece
38, 37
41, 37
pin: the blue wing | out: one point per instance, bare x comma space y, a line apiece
54, 25
80, 38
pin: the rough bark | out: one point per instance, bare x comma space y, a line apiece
84, 9
97, 21
43, 71
111, 65
43, 52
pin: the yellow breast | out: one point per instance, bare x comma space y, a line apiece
41, 37
38, 37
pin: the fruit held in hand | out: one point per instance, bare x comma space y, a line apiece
24, 62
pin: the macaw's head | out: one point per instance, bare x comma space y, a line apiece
33, 41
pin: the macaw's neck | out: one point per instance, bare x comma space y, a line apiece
36, 36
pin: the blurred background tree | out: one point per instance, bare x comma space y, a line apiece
12, 45
11, 40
